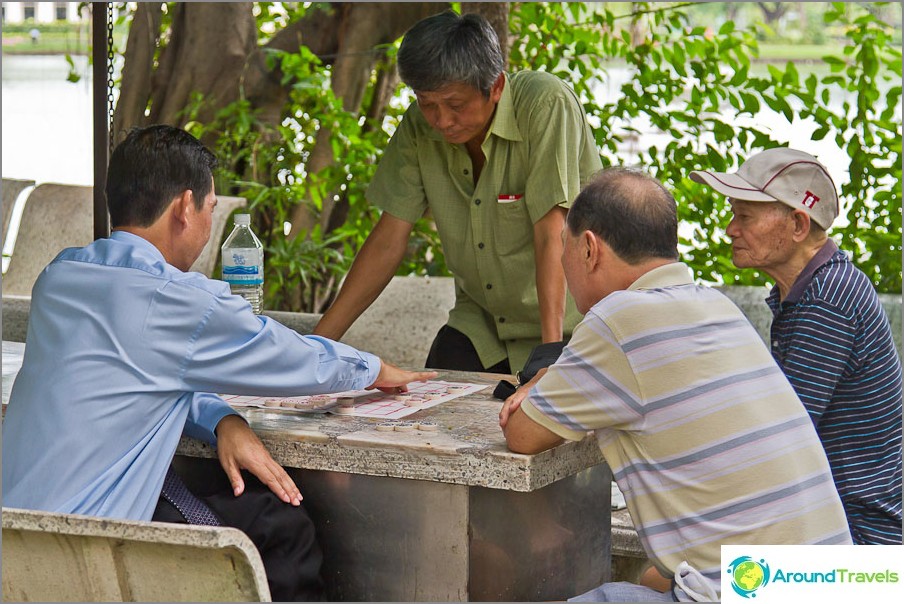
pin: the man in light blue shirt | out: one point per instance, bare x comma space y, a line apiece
124, 349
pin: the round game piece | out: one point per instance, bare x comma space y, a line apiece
342, 410
455, 388
272, 402
301, 405
414, 402
346, 401
386, 427
288, 403
432, 396
428, 426
404, 427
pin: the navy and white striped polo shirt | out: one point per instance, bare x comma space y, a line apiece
832, 339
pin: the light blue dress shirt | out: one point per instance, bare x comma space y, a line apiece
122, 353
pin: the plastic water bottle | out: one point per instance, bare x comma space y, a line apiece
243, 263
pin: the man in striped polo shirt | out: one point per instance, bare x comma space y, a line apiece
704, 435
829, 333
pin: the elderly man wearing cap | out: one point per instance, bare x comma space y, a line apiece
829, 332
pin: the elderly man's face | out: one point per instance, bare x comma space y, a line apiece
761, 234
459, 111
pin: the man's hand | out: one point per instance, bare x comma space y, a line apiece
513, 402
239, 448
522, 434
393, 380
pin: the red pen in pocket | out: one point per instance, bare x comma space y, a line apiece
510, 198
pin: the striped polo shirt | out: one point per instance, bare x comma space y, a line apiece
832, 339
704, 435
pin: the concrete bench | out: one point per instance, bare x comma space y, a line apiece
55, 217
401, 323
12, 187
399, 326
58, 216
62, 557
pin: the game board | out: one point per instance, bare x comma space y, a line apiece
365, 403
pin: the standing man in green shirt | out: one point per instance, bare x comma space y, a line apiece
495, 158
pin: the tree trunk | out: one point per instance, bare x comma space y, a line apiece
135, 86
773, 11
206, 54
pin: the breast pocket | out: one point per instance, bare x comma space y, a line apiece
512, 227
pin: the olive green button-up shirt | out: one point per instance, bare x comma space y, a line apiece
539, 151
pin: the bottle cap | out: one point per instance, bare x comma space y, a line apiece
244, 219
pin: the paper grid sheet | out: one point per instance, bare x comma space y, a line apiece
367, 403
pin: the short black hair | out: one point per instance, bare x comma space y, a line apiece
632, 212
150, 168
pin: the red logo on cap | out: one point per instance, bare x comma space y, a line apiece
809, 200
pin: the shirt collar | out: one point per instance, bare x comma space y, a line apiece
505, 124
824, 254
138, 242
667, 275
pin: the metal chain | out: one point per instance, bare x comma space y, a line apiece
110, 76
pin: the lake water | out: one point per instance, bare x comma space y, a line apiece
47, 121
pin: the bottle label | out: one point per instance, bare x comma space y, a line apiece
243, 266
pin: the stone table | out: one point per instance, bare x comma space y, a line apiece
449, 515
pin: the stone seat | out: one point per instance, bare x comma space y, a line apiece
57, 216
399, 326
12, 187
629, 559
63, 557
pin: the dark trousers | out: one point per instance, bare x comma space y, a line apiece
284, 535
452, 349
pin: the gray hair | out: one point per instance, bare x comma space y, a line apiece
449, 48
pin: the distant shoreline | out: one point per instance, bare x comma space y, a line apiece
44, 52
29, 52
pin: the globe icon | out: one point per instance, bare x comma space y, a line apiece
749, 575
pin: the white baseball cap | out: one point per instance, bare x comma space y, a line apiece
791, 177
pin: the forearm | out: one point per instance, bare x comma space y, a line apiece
371, 271
523, 435
240, 353
551, 286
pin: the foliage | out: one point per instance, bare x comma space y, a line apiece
266, 165
697, 87
871, 69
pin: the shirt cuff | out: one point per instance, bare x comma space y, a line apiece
537, 416
207, 411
